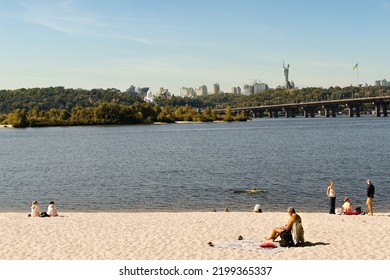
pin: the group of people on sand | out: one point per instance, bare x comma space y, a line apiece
36, 210
294, 225
347, 206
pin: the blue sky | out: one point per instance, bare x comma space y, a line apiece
114, 44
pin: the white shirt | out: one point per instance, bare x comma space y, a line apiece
52, 210
332, 192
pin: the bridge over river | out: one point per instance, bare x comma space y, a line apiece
331, 107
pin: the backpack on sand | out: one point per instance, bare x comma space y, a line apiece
286, 239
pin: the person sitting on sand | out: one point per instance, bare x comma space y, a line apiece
35, 209
294, 218
347, 206
52, 209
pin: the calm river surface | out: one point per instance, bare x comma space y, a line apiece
196, 167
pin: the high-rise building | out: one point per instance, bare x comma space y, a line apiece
383, 83
201, 91
149, 96
163, 92
131, 89
257, 87
248, 89
236, 90
217, 89
187, 92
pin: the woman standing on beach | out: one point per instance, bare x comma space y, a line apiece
331, 192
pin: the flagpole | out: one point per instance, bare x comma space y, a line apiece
356, 67
357, 74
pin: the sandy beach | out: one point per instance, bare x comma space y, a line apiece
185, 236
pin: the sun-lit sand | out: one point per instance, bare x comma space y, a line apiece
185, 236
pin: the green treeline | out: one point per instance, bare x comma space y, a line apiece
56, 106
61, 98
114, 114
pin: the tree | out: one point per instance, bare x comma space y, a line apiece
64, 115
228, 114
166, 115
18, 118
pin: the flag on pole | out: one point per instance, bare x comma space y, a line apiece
355, 67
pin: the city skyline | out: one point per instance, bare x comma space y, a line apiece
96, 44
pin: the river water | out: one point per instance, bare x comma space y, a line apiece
197, 167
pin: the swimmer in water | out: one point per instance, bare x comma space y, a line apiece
253, 190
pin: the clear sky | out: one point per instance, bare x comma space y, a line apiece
170, 43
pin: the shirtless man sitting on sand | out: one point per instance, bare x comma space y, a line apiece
294, 217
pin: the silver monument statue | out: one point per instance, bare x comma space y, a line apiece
286, 69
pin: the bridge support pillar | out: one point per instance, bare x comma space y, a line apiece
385, 105
377, 109
258, 113
350, 107
327, 112
292, 112
309, 111
353, 112
334, 112
289, 112
330, 111
273, 113
357, 110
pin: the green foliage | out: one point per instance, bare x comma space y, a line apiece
61, 106
167, 115
113, 113
17, 118
60, 98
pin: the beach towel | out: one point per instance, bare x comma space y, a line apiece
250, 245
297, 233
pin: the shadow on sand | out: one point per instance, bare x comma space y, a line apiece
311, 244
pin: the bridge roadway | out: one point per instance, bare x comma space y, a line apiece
309, 108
